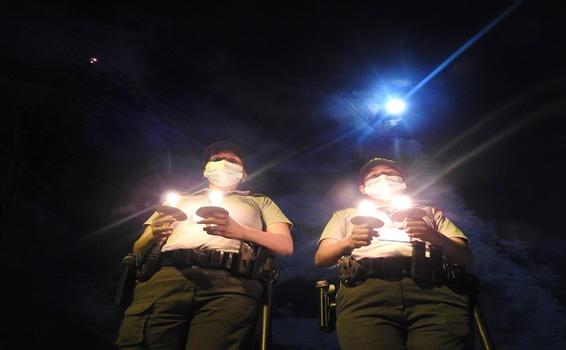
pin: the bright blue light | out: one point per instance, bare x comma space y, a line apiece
395, 106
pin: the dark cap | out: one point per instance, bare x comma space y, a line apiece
370, 164
220, 146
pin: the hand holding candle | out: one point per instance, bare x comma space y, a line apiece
163, 224
217, 221
215, 198
418, 229
412, 219
404, 209
220, 223
170, 207
365, 224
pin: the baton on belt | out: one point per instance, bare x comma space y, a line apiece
481, 327
479, 319
265, 336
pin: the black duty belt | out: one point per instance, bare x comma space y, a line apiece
216, 259
352, 271
249, 265
387, 267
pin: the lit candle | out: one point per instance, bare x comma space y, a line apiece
401, 202
366, 208
171, 199
404, 208
215, 198
367, 214
169, 207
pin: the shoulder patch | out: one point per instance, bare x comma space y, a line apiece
248, 201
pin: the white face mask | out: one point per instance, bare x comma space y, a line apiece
222, 173
384, 187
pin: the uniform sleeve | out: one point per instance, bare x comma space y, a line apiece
272, 213
335, 228
447, 227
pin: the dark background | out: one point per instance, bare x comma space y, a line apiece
88, 149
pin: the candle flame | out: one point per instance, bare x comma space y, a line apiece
401, 202
172, 198
215, 198
366, 208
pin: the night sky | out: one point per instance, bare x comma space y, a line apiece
88, 149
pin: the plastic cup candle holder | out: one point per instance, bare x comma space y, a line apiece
170, 207
367, 214
215, 198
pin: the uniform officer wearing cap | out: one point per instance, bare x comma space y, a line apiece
388, 309
184, 306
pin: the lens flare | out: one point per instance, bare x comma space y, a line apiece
172, 198
401, 202
366, 208
215, 198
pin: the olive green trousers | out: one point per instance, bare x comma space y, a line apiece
191, 309
399, 314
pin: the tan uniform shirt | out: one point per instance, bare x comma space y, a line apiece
393, 241
253, 211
